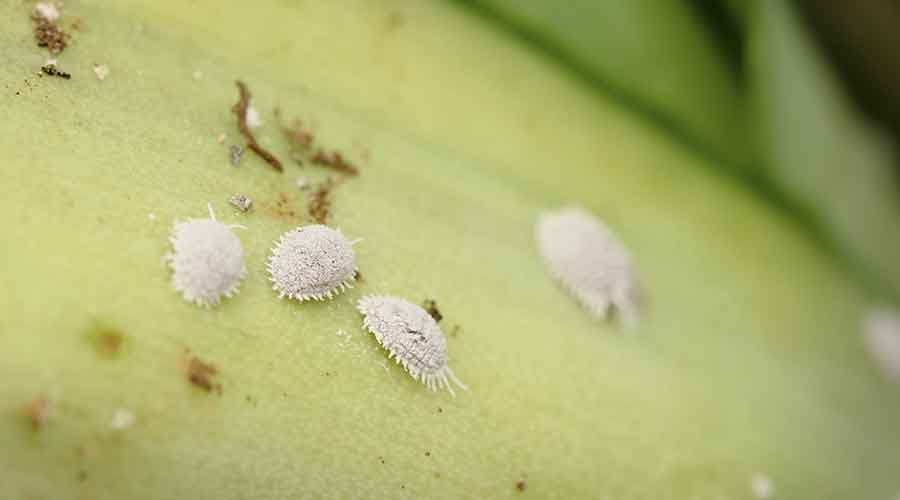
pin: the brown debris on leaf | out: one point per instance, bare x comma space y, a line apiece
47, 32
241, 202
240, 110
520, 485
283, 208
37, 412
431, 308
299, 137
200, 374
334, 160
50, 70
108, 342
319, 204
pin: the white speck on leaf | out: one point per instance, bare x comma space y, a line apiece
881, 333
236, 153
151, 216
589, 261
47, 10
50, 62
411, 337
312, 262
241, 202
198, 75
762, 487
102, 71
122, 419
253, 118
207, 260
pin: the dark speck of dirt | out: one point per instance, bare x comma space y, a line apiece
82, 476
48, 34
36, 412
455, 331
440, 410
282, 208
358, 277
108, 342
520, 485
431, 308
427, 453
200, 374
319, 203
50, 70
335, 161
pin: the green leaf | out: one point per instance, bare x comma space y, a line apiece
820, 151
657, 56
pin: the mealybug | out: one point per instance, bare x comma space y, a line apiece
207, 260
589, 261
881, 333
312, 262
412, 337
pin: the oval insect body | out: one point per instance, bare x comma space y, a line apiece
312, 262
881, 333
589, 261
411, 337
207, 260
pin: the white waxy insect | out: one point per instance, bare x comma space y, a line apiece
207, 260
102, 71
411, 337
122, 419
589, 261
312, 262
47, 10
254, 120
881, 333
762, 486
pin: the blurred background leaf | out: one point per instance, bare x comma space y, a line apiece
746, 83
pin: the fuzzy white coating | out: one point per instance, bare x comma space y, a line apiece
102, 71
312, 262
207, 260
122, 419
881, 334
411, 337
47, 10
762, 486
590, 262
254, 120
